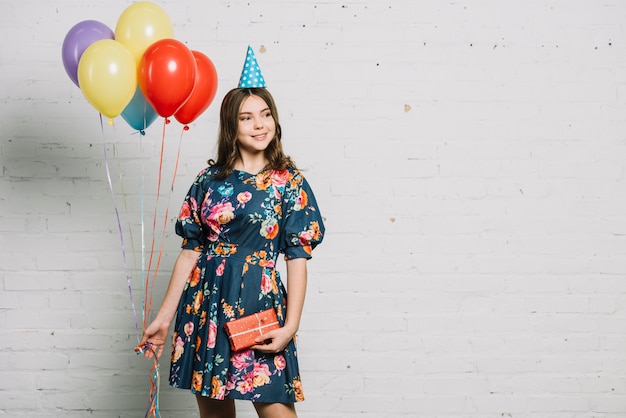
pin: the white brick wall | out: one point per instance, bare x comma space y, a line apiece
469, 158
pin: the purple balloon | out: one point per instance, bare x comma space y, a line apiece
78, 38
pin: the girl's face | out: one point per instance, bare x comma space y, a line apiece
256, 127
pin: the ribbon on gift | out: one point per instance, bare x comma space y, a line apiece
259, 327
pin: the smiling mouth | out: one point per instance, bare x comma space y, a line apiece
260, 137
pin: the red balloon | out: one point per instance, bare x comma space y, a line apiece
203, 91
167, 74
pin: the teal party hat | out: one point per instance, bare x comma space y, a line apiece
251, 75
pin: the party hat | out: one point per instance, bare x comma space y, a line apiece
251, 75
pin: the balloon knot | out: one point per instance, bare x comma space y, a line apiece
142, 132
186, 128
110, 121
167, 121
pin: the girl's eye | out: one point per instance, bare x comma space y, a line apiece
268, 115
244, 118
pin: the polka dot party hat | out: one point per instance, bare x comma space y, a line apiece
251, 75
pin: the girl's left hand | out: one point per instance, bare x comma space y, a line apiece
274, 341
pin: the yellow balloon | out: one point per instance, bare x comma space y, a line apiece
142, 24
107, 76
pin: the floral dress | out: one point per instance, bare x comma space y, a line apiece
239, 225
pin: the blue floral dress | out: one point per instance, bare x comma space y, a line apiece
239, 225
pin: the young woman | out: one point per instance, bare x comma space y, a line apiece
246, 207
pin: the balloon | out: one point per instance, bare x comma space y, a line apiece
78, 38
142, 24
107, 77
167, 73
204, 90
138, 113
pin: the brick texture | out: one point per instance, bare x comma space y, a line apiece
469, 159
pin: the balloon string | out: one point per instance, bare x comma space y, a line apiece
155, 380
155, 384
132, 246
167, 208
148, 293
119, 226
143, 225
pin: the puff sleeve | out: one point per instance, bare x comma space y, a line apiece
303, 227
188, 225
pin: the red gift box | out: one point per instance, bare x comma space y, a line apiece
243, 331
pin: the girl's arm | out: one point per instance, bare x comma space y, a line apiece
155, 334
278, 339
296, 291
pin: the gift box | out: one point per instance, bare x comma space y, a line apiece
243, 331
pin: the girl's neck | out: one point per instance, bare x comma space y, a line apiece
251, 164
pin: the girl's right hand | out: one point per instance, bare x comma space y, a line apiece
153, 340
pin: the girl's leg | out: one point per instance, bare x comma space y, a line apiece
275, 410
212, 408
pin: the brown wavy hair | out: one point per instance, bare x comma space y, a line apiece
227, 148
